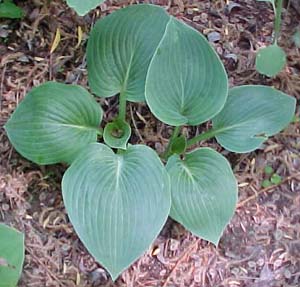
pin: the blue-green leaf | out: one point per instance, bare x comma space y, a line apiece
270, 60
204, 192
251, 115
186, 81
116, 134
54, 122
117, 203
82, 7
11, 256
120, 48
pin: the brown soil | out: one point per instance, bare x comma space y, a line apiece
261, 245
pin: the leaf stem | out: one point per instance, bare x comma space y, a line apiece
204, 136
175, 134
122, 106
278, 12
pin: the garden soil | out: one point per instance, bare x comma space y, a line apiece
261, 245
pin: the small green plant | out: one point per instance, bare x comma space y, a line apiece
272, 177
83, 7
272, 59
11, 256
117, 195
10, 10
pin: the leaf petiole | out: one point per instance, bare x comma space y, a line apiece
122, 106
175, 134
278, 12
204, 136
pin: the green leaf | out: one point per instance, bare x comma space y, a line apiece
276, 179
270, 60
117, 203
269, 170
179, 145
117, 134
54, 122
204, 192
10, 10
120, 48
11, 256
266, 183
83, 7
252, 114
186, 81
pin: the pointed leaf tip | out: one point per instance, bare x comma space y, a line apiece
120, 48
197, 87
83, 7
117, 203
204, 192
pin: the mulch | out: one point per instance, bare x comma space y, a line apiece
261, 245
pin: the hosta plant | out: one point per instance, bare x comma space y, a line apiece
272, 59
117, 195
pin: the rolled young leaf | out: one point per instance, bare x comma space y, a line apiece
54, 122
120, 48
117, 203
204, 192
116, 134
11, 255
250, 115
186, 82
83, 7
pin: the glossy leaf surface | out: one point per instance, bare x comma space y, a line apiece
204, 192
252, 114
120, 48
54, 122
186, 81
11, 256
117, 203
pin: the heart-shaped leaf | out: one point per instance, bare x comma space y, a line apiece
11, 256
186, 81
270, 60
250, 115
54, 122
120, 48
83, 7
204, 192
117, 203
